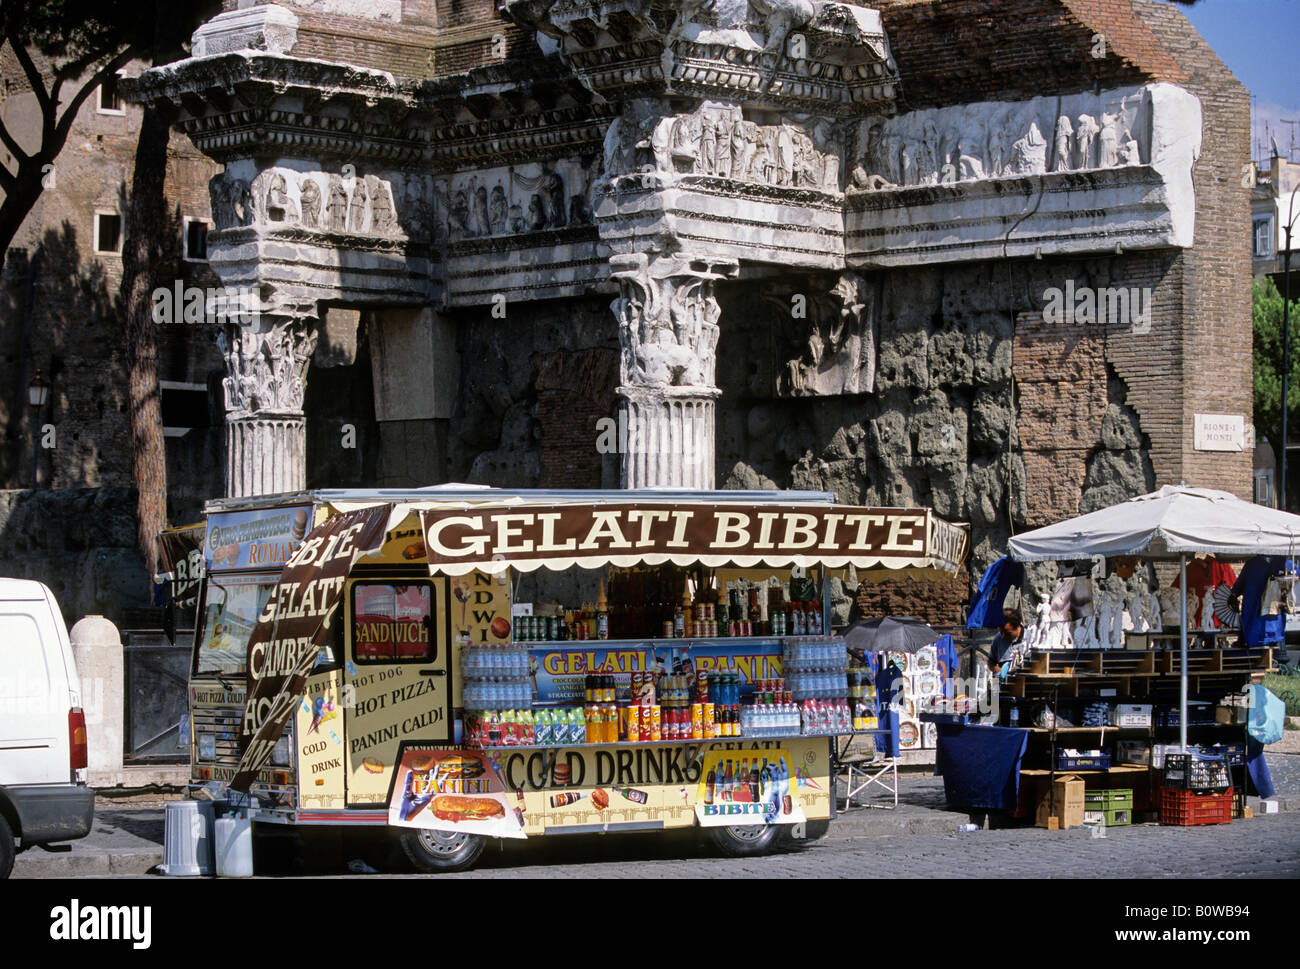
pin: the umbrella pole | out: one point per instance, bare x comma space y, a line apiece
1182, 657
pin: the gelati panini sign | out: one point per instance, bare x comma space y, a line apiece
527, 537
283, 647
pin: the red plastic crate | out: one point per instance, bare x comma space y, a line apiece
1182, 807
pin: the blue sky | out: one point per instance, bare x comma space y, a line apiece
1259, 40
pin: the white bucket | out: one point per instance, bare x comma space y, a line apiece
234, 846
187, 838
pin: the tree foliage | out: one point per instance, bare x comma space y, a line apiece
1267, 312
65, 49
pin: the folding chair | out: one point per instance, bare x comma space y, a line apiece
861, 772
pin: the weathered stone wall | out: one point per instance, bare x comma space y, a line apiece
81, 543
532, 387
939, 430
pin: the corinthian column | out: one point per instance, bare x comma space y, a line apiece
266, 433
668, 331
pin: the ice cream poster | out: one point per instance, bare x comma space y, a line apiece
750, 787
453, 790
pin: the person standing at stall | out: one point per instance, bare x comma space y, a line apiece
1010, 635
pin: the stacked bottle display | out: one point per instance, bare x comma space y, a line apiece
773, 712
601, 710
496, 678
815, 671
655, 604
815, 668
862, 700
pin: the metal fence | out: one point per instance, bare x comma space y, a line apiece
154, 695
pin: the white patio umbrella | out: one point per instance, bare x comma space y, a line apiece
1172, 523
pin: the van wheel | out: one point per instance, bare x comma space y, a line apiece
436, 851
6, 848
745, 840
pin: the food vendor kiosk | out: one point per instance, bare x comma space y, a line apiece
404, 659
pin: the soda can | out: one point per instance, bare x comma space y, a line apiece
656, 722
668, 629
697, 720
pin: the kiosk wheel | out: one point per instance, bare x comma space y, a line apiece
436, 851
745, 840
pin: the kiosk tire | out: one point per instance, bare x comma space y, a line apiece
746, 840
437, 851
7, 850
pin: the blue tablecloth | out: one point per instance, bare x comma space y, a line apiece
981, 765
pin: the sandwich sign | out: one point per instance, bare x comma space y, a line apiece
287, 639
453, 790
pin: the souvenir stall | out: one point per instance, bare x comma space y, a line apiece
910, 660
1122, 699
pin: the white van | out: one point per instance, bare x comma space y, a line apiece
43, 792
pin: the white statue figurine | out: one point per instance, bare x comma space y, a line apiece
1083, 638
1137, 611
1044, 623
1207, 611
1107, 615
1154, 617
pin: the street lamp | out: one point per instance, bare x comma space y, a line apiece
37, 392
1286, 338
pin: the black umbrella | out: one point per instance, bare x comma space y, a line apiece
894, 634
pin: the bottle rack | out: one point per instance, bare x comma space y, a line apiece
496, 678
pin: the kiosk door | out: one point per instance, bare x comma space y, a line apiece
396, 677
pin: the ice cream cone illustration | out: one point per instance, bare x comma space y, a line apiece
461, 591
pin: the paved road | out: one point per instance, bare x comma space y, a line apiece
1262, 847
918, 840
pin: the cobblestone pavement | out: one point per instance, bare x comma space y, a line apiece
920, 839
1259, 848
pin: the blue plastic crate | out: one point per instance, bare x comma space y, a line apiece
1094, 762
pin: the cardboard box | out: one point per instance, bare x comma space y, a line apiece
1062, 807
1231, 714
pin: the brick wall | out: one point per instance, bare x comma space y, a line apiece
462, 36
1061, 374
574, 392
958, 51
939, 601
1216, 306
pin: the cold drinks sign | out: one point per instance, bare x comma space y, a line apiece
589, 536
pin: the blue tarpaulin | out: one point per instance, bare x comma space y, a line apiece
1257, 629
981, 765
995, 583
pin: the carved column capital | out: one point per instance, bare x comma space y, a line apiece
667, 315
266, 432
266, 367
